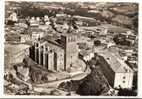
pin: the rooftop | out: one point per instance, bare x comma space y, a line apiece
68, 34
36, 30
52, 42
85, 52
117, 65
15, 48
34, 66
113, 28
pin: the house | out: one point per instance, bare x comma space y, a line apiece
21, 23
125, 39
86, 55
36, 33
13, 17
112, 29
34, 21
16, 52
116, 71
12, 37
25, 37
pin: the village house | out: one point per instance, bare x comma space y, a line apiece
36, 33
116, 71
16, 52
86, 55
112, 29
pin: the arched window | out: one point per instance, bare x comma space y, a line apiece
124, 77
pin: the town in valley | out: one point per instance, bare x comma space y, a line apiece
71, 48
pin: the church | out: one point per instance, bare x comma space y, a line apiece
55, 53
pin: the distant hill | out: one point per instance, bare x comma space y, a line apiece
124, 14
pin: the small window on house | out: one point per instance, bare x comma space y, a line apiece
108, 58
69, 40
72, 39
119, 86
125, 69
51, 51
123, 81
124, 77
37, 45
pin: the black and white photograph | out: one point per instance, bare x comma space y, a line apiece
71, 48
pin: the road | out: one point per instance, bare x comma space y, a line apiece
53, 84
73, 76
57, 82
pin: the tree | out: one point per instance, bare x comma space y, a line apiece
93, 84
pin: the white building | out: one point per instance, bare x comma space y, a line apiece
46, 18
112, 29
37, 33
86, 55
118, 73
13, 17
25, 37
34, 21
16, 53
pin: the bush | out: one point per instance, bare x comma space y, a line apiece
93, 84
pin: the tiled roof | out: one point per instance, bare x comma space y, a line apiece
116, 64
